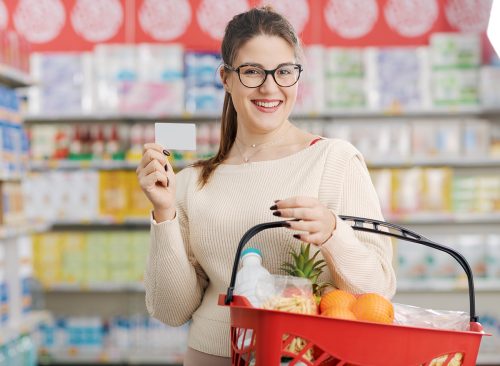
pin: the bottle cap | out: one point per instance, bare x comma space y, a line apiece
249, 251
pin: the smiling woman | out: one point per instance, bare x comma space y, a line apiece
266, 168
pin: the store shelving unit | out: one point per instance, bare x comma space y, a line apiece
14, 78
18, 323
443, 294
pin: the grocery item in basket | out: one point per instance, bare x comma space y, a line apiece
294, 295
373, 307
308, 267
250, 274
441, 319
338, 299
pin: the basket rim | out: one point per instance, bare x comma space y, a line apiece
243, 307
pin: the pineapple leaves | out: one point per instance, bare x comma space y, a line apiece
310, 268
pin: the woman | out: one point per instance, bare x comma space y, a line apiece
265, 167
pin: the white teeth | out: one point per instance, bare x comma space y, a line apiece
267, 104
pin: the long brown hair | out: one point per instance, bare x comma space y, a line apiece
239, 30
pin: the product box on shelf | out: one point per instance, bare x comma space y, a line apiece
451, 50
4, 290
398, 78
64, 83
204, 90
311, 89
12, 204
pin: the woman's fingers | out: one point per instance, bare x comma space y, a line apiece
149, 155
153, 165
152, 146
316, 238
315, 222
309, 226
148, 182
297, 213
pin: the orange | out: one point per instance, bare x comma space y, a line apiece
339, 313
373, 308
336, 298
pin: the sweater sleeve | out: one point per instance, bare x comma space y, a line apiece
174, 280
359, 262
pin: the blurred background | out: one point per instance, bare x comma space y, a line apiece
414, 85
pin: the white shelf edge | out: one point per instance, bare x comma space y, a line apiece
96, 287
27, 324
444, 285
14, 77
334, 114
443, 218
104, 221
7, 232
83, 164
457, 162
73, 356
408, 219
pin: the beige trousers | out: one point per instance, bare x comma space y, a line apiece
197, 358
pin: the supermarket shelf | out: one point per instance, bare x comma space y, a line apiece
82, 164
73, 356
102, 223
27, 325
444, 218
116, 117
13, 232
13, 77
408, 219
96, 287
456, 162
447, 285
423, 285
210, 117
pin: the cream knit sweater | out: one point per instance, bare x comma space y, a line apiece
191, 256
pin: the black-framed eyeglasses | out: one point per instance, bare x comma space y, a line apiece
253, 76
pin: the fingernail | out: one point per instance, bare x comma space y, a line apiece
277, 213
296, 236
166, 152
287, 224
166, 167
273, 207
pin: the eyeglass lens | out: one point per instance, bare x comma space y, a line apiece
253, 76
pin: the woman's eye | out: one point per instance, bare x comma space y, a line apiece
252, 72
284, 71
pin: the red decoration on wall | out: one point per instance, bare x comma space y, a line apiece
75, 25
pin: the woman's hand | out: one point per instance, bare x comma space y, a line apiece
157, 180
316, 221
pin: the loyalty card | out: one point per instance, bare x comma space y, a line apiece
176, 136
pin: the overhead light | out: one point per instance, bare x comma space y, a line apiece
494, 26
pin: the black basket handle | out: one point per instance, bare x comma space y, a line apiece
371, 226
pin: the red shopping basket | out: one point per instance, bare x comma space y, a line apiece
261, 337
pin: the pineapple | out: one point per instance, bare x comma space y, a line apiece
306, 267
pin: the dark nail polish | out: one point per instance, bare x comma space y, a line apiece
277, 213
273, 207
287, 224
166, 152
166, 167
296, 236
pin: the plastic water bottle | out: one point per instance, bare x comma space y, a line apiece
249, 275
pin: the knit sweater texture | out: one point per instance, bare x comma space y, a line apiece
191, 257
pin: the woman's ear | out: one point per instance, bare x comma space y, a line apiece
224, 77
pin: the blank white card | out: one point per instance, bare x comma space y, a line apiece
176, 136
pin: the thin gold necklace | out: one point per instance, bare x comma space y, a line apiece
258, 147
